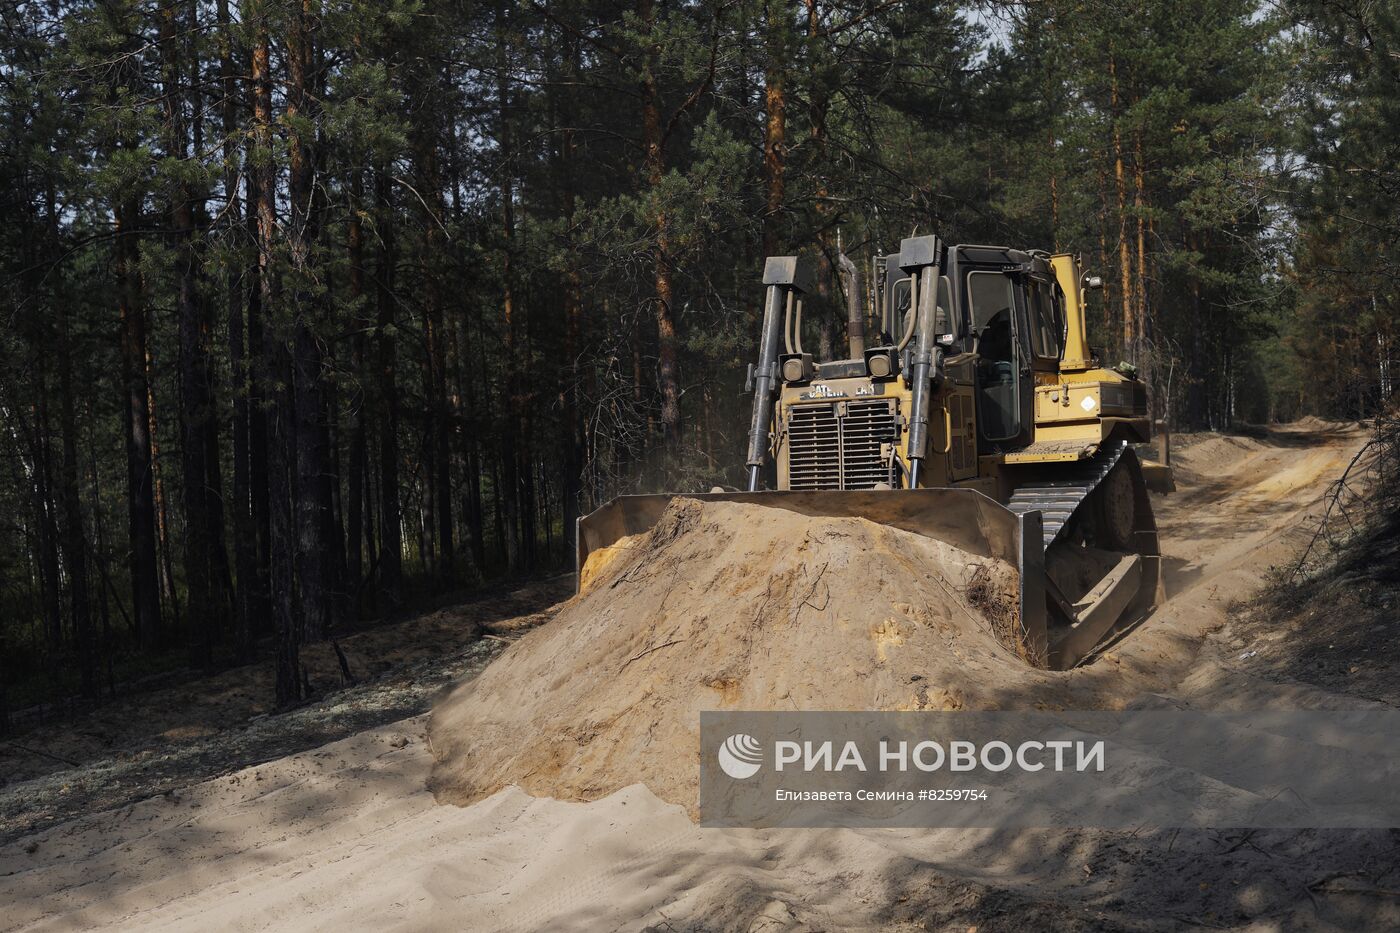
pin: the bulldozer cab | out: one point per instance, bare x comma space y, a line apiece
1006, 307
1016, 319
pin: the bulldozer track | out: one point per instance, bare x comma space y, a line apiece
1058, 498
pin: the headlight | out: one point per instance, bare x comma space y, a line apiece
879, 365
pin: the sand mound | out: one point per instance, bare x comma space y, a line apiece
724, 605
1201, 455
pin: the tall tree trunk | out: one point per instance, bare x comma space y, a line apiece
309, 452
312, 515
511, 439
196, 409
261, 399
390, 515
276, 381
75, 539
1124, 260
573, 440
100, 552
819, 103
469, 405
1103, 219
1140, 306
775, 121
245, 558
75, 547
354, 524
46, 524
462, 408
140, 473
653, 140
1052, 159
164, 548
438, 447
1197, 400
563, 102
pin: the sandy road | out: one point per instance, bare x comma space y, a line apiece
346, 836
1237, 492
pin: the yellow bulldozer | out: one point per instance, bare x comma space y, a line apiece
976, 416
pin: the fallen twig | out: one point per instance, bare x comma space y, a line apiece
44, 754
668, 644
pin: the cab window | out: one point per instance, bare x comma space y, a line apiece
942, 317
1044, 322
901, 296
903, 292
993, 299
993, 302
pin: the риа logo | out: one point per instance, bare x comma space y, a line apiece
740, 756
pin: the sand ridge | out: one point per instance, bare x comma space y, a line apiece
722, 605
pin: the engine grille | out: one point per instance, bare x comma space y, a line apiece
864, 428
814, 447
837, 446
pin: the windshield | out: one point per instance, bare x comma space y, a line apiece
991, 297
942, 320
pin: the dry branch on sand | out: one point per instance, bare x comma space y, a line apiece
1364, 497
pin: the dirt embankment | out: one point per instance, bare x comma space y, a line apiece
732, 606
724, 605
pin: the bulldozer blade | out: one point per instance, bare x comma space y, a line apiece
964, 518
1129, 589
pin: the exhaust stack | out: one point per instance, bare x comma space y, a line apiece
855, 306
